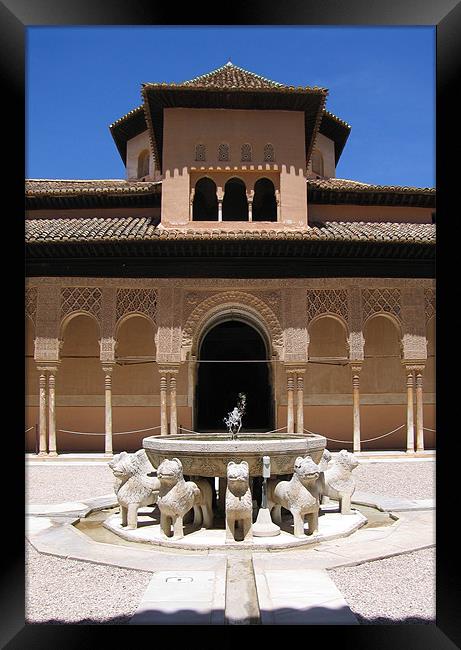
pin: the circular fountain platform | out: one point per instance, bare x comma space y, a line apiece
209, 454
332, 525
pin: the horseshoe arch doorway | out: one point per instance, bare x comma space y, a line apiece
224, 370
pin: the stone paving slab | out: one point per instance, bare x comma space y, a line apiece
184, 598
299, 597
395, 504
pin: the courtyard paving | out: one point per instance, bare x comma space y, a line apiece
397, 589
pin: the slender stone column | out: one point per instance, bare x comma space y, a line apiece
419, 409
52, 412
191, 204
290, 413
173, 407
410, 416
278, 209
250, 210
356, 368
163, 406
108, 446
220, 209
300, 402
42, 450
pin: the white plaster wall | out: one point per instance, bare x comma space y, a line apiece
133, 149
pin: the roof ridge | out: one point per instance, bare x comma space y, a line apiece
229, 64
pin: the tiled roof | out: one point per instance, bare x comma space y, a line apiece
50, 187
345, 185
231, 76
144, 228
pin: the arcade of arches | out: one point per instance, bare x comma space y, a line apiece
239, 201
111, 361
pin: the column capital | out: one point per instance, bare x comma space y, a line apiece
413, 365
356, 366
52, 368
169, 369
108, 367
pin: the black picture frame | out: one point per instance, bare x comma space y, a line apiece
445, 15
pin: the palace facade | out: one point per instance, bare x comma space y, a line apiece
231, 259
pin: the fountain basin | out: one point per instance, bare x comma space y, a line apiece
209, 454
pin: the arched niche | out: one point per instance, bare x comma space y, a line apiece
328, 370
136, 372
143, 163
205, 204
382, 369
235, 202
264, 201
80, 369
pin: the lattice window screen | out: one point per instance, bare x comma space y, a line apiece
269, 154
200, 152
81, 299
380, 300
142, 301
246, 152
323, 301
223, 152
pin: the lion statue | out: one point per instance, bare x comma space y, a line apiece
294, 495
239, 503
177, 497
133, 485
316, 488
337, 480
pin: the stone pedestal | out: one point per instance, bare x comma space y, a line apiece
264, 526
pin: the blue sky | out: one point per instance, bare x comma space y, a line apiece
381, 81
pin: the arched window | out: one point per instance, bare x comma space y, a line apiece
223, 152
269, 154
264, 202
317, 162
246, 152
235, 202
143, 164
200, 152
205, 205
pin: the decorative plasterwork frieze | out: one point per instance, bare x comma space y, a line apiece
327, 301
385, 300
225, 301
139, 301
81, 299
429, 303
31, 303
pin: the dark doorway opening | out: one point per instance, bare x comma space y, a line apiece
264, 202
218, 384
235, 202
205, 205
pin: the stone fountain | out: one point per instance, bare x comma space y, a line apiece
182, 489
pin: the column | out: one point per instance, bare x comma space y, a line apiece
173, 407
42, 450
419, 408
356, 368
300, 401
410, 418
191, 204
108, 447
163, 413
250, 209
278, 208
52, 450
220, 209
290, 413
